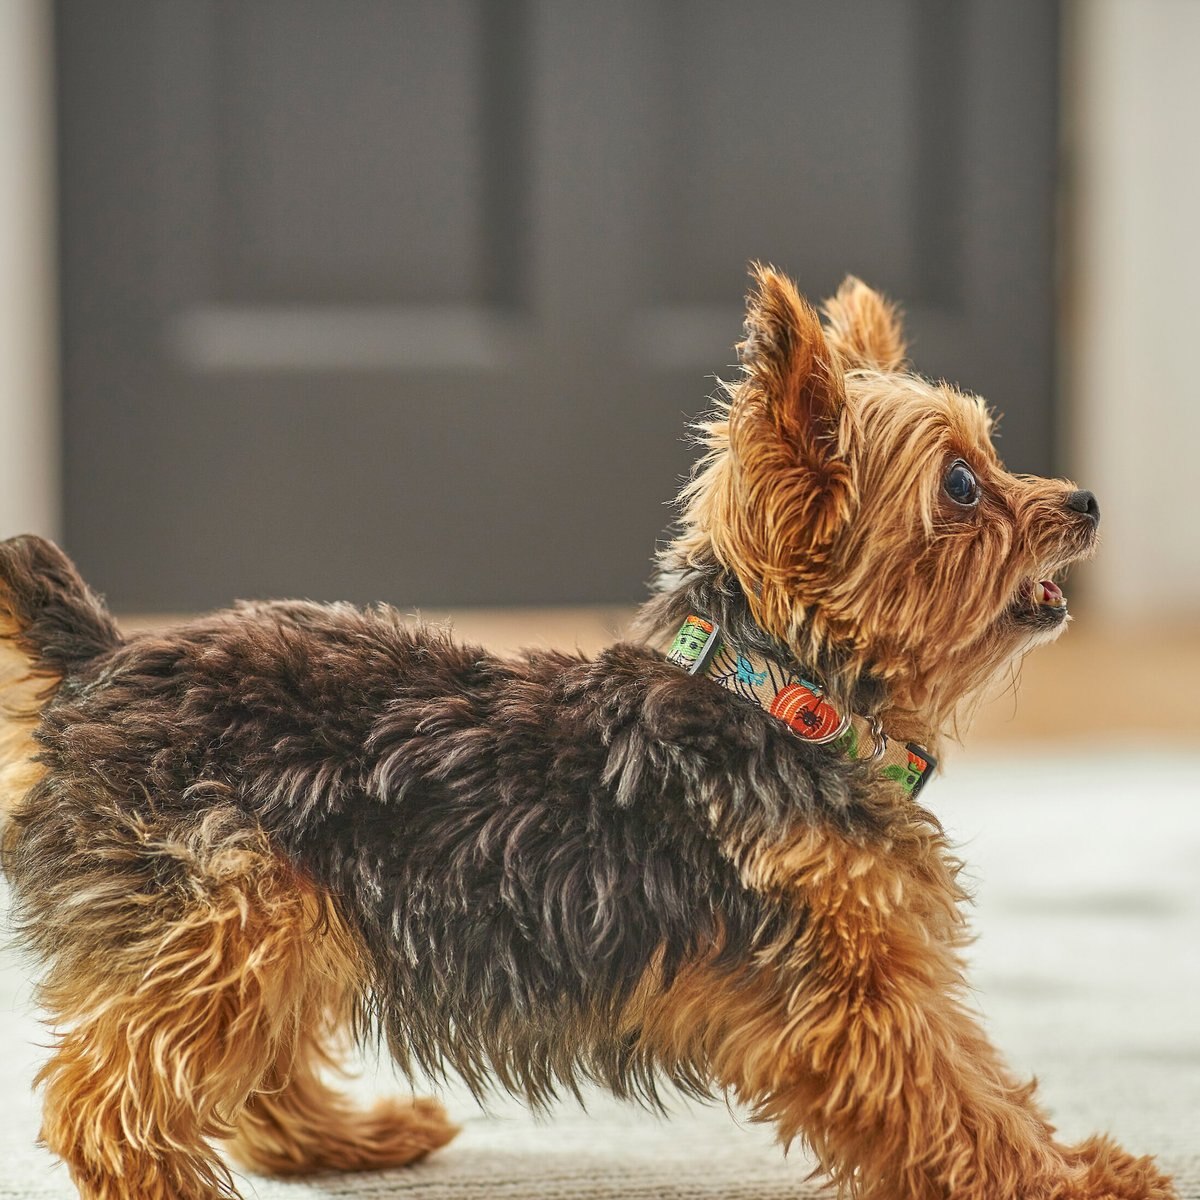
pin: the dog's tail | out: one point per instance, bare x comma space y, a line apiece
47, 613
51, 623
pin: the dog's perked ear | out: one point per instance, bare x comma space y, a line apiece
865, 328
786, 359
786, 433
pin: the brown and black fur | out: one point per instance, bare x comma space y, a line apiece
237, 843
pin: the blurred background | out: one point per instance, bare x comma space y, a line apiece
412, 300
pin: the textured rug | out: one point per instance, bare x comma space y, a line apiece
1087, 966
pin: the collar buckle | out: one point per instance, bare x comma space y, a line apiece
878, 737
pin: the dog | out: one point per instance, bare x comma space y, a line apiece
233, 844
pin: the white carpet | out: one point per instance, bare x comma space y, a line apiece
1088, 966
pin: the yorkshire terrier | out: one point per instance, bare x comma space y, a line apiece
234, 843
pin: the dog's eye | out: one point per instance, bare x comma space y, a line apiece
961, 485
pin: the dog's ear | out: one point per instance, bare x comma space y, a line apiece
789, 369
789, 434
865, 328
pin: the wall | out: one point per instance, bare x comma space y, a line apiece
1133, 317
29, 456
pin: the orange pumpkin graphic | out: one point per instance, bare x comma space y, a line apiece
807, 713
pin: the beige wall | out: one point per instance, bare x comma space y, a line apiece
1133, 321
29, 483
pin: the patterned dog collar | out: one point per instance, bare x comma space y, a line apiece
799, 703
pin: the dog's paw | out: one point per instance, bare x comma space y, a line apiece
396, 1131
1101, 1170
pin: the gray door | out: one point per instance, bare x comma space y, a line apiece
412, 300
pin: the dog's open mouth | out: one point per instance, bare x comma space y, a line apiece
1039, 602
1047, 593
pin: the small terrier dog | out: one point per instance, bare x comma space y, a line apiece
235, 842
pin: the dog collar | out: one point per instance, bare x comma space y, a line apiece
700, 649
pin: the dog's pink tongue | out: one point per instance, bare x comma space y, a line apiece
1051, 593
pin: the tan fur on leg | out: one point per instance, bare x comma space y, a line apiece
856, 1039
160, 1046
296, 1124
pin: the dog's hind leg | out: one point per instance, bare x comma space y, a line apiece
184, 968
168, 1006
190, 976
295, 1123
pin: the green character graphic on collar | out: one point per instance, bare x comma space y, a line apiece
690, 642
909, 775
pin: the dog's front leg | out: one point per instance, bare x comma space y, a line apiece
854, 1037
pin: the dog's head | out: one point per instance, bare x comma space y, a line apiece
863, 507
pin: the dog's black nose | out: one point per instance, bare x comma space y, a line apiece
1085, 502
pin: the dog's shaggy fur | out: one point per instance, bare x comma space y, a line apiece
232, 843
